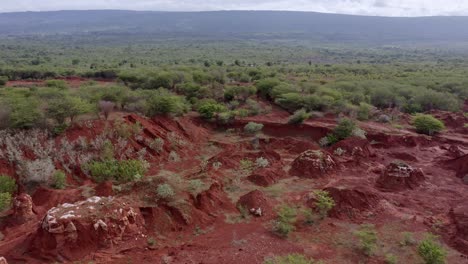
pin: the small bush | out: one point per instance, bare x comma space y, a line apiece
253, 128
284, 223
368, 239
7, 184
324, 202
427, 124
364, 111
290, 259
391, 259
431, 251
196, 186
165, 191
344, 129
157, 145
262, 162
57, 84
299, 117
118, 170
5, 201
3, 80
59, 180
208, 110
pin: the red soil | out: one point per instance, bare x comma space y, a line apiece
206, 227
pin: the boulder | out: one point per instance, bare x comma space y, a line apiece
400, 176
72, 231
312, 164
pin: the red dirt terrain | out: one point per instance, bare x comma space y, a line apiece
397, 180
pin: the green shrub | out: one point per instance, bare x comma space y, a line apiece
5, 201
165, 103
344, 129
391, 259
367, 238
165, 191
3, 80
364, 111
196, 186
265, 86
208, 109
299, 117
294, 258
118, 170
324, 202
65, 107
7, 184
56, 84
427, 124
284, 223
59, 180
431, 251
253, 128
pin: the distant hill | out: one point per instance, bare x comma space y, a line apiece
308, 25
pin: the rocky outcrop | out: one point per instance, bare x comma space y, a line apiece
312, 164
72, 231
400, 176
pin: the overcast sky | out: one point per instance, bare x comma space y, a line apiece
362, 7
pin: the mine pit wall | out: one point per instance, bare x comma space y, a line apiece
280, 130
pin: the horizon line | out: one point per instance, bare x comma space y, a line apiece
226, 10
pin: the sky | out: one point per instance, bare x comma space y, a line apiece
358, 7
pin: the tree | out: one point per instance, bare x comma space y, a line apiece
427, 124
67, 107
106, 108
3, 80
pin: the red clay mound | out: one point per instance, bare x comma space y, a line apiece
312, 164
72, 231
23, 209
214, 200
256, 203
266, 177
352, 202
400, 176
460, 218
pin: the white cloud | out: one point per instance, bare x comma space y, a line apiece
362, 7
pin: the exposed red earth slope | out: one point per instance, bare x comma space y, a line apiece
423, 192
